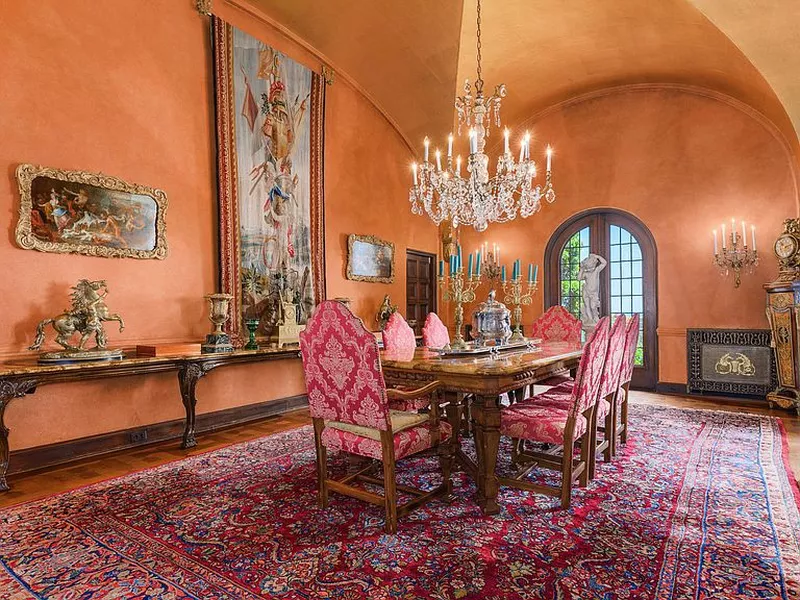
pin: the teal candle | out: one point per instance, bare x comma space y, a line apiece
478, 264
469, 265
452, 264
536, 273
530, 272
503, 274
441, 268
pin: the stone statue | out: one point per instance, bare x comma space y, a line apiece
88, 313
589, 273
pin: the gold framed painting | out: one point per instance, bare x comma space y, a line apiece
89, 213
370, 259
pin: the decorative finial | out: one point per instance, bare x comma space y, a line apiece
204, 7
328, 75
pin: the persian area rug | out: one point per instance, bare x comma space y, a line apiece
699, 505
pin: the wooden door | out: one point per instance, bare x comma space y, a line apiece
420, 288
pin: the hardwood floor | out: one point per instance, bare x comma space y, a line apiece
52, 481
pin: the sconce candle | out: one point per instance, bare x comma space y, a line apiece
427, 147
736, 256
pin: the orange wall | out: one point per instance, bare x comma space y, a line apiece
682, 163
126, 90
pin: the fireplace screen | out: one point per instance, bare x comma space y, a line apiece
731, 361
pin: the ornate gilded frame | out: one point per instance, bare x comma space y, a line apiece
230, 272
26, 173
375, 241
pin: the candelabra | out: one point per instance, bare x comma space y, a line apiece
735, 256
513, 294
460, 290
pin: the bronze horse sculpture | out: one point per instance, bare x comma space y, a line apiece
88, 313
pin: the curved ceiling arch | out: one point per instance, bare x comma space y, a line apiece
411, 58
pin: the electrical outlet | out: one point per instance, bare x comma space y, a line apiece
137, 437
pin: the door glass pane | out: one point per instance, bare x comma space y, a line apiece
626, 282
574, 251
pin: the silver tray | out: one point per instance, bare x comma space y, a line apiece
471, 350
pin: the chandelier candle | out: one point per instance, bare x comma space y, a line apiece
736, 256
514, 295
460, 290
479, 199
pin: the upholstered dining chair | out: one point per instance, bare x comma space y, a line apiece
556, 324
349, 405
399, 338
606, 403
531, 421
434, 332
628, 361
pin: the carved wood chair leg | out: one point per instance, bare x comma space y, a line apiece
447, 453
322, 464
389, 482
566, 471
608, 434
614, 430
624, 419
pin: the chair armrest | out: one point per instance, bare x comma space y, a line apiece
395, 394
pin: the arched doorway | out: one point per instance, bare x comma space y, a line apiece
627, 285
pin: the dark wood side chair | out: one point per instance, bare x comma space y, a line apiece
561, 427
350, 408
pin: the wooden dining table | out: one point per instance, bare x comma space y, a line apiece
483, 379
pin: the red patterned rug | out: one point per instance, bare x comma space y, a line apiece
699, 505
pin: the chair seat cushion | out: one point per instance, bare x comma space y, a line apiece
530, 420
556, 380
410, 440
564, 400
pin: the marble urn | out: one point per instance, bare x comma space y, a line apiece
491, 322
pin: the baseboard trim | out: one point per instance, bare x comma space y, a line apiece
671, 389
42, 457
680, 389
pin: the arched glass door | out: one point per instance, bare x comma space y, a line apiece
627, 285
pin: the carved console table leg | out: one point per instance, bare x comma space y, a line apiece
486, 414
9, 389
188, 376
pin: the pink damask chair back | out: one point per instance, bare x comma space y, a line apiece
586, 390
435, 333
342, 367
557, 324
398, 335
616, 353
629, 358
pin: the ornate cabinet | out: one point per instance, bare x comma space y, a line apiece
783, 313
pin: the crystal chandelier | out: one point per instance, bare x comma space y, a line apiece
479, 199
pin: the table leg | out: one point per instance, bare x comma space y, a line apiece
188, 376
9, 389
486, 415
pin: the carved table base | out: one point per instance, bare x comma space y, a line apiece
19, 379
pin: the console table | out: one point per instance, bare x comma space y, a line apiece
20, 378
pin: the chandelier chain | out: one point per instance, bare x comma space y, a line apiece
479, 82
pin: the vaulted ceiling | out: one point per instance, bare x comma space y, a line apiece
411, 57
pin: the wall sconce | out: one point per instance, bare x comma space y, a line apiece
735, 255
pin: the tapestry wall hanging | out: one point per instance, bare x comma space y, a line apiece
270, 112
89, 213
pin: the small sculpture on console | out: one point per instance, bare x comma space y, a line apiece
86, 317
589, 273
384, 312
